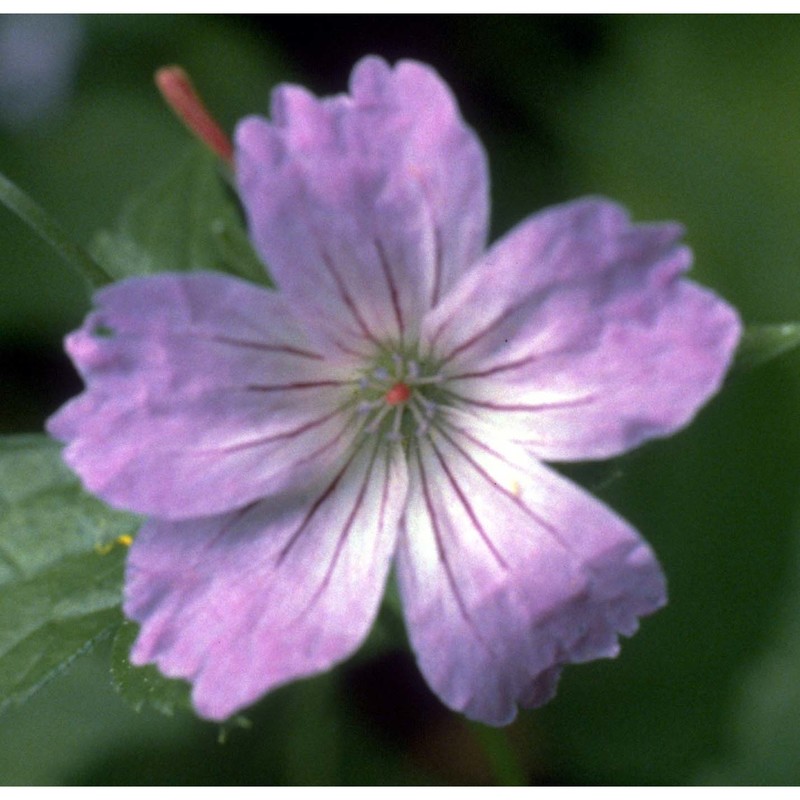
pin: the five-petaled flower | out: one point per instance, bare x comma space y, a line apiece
390, 404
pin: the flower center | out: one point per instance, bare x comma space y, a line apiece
398, 397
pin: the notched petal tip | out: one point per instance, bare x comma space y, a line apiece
178, 418
591, 340
290, 104
587, 626
504, 588
368, 77
386, 182
374, 80
242, 603
255, 149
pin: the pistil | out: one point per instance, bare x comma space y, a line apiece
398, 394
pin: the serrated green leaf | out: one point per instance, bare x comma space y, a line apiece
763, 343
143, 686
60, 569
188, 221
46, 622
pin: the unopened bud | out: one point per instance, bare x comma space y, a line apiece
177, 89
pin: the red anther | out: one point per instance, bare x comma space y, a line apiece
398, 394
177, 89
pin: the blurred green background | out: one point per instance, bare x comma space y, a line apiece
689, 118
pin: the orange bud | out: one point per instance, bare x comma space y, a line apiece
177, 89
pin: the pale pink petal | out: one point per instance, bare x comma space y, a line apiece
203, 394
582, 334
365, 207
241, 603
508, 572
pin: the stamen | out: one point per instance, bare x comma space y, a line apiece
394, 435
397, 384
438, 378
397, 360
423, 411
379, 417
428, 405
366, 406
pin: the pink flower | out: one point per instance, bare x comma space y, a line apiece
391, 404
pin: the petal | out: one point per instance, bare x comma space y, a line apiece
366, 207
508, 572
583, 333
202, 395
241, 603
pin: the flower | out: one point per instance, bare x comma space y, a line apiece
390, 404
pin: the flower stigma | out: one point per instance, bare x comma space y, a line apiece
398, 394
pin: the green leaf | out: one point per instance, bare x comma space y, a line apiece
188, 221
141, 686
61, 564
51, 232
766, 705
762, 343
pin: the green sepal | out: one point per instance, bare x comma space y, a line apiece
190, 220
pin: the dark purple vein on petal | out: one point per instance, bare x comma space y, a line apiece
552, 406
392, 286
478, 335
289, 387
315, 506
320, 450
500, 488
494, 370
342, 537
347, 298
514, 498
505, 366
290, 434
268, 348
235, 519
438, 265
348, 350
469, 509
440, 549
474, 339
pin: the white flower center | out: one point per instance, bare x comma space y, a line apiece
398, 397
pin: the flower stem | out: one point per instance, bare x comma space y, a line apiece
500, 754
48, 229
